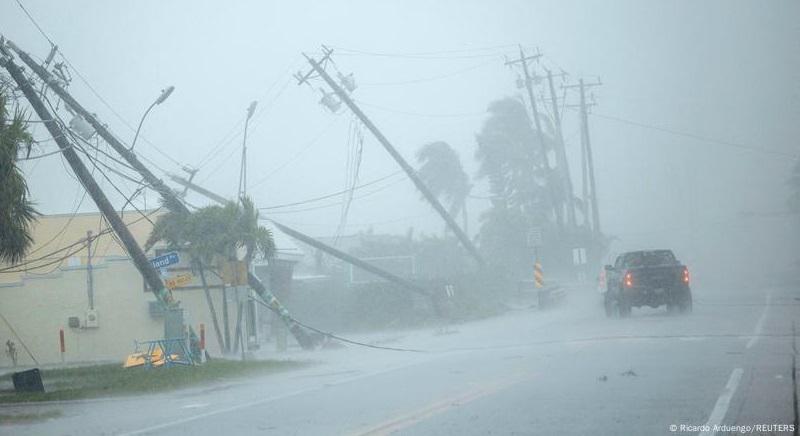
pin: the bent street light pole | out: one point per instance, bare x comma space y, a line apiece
451, 223
171, 199
164, 94
131, 246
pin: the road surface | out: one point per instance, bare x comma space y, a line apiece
566, 371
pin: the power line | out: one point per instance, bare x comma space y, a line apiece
325, 206
16, 268
432, 78
419, 114
695, 136
446, 54
331, 195
294, 157
338, 338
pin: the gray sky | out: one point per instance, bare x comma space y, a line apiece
726, 70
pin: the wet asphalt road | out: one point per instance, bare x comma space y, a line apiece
568, 371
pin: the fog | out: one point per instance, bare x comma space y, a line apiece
694, 125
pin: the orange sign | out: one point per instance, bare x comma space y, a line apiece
178, 281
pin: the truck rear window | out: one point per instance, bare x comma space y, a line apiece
649, 258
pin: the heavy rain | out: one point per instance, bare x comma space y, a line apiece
400, 217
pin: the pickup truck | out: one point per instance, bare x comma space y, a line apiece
646, 278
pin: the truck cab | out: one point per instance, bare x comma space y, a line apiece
646, 278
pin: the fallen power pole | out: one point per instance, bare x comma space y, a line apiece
141, 262
294, 234
409, 170
171, 198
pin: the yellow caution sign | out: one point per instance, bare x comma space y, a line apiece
178, 281
538, 274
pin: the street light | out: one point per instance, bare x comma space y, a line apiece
243, 169
165, 93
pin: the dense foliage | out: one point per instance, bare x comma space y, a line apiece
17, 213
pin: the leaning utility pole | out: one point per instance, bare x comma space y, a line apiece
171, 201
131, 246
561, 155
171, 198
409, 170
523, 60
308, 240
587, 149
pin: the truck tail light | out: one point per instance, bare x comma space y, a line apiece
628, 280
686, 275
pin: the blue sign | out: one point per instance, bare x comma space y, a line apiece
165, 260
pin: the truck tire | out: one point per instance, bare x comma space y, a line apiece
624, 306
610, 305
685, 301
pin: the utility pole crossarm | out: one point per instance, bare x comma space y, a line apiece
138, 257
408, 169
170, 199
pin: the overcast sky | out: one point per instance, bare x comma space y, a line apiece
725, 70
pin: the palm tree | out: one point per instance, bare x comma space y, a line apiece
213, 234
17, 213
444, 175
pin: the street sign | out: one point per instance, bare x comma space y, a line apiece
178, 281
165, 260
535, 237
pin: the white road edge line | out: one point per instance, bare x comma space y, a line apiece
723, 402
760, 323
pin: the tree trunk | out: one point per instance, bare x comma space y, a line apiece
210, 303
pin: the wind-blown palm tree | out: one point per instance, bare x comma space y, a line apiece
444, 175
17, 213
212, 234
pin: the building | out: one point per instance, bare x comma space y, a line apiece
100, 302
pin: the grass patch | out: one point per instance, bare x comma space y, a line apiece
27, 418
112, 379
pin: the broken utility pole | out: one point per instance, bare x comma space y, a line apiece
141, 262
409, 170
171, 198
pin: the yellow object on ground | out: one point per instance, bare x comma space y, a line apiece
156, 358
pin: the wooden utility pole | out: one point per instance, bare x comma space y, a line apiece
523, 60
586, 144
408, 169
141, 262
171, 198
589, 159
89, 270
561, 155
296, 235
